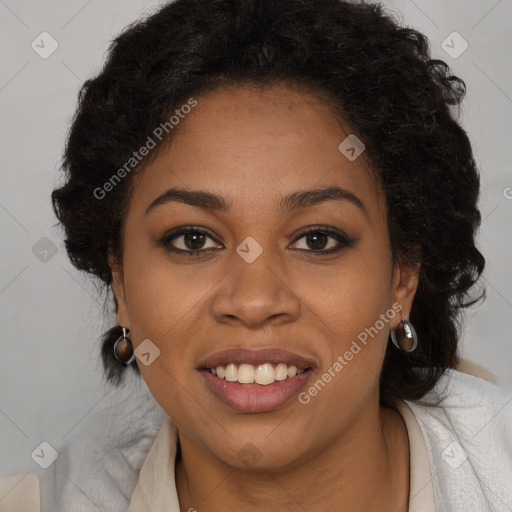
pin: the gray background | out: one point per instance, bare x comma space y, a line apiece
51, 315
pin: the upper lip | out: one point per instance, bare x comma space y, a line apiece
256, 357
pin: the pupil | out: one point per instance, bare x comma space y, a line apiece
313, 241
194, 240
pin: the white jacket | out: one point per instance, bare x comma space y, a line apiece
461, 455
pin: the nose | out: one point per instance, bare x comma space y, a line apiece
255, 294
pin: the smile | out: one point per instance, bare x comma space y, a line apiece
254, 381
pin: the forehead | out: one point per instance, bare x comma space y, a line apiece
253, 146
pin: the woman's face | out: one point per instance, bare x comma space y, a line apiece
259, 282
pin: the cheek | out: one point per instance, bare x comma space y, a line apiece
162, 296
352, 312
349, 298
165, 306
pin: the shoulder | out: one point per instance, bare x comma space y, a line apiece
99, 465
466, 422
473, 405
20, 492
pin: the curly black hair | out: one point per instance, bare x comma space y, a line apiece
375, 74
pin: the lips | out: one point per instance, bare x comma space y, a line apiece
253, 397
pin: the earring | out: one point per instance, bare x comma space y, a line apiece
404, 337
123, 348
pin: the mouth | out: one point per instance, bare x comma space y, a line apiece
255, 381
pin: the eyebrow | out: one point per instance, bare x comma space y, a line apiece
295, 201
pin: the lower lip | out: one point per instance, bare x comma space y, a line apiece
255, 397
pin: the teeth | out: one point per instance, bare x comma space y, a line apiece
246, 373
292, 371
262, 374
281, 371
265, 374
231, 372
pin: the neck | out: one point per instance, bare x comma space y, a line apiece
367, 468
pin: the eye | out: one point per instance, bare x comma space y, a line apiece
192, 240
322, 241
189, 240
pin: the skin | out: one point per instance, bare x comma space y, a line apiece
342, 450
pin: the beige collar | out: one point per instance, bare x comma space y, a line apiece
421, 494
156, 487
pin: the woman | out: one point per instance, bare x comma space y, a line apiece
284, 206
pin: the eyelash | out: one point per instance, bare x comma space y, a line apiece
343, 240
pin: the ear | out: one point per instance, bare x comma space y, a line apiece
119, 292
405, 284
